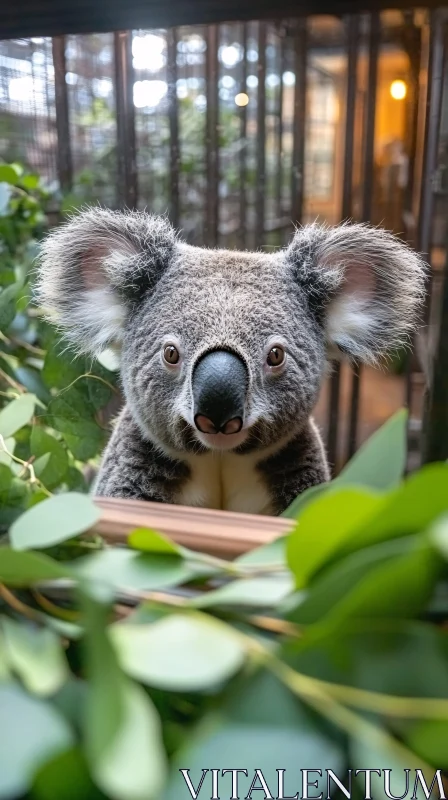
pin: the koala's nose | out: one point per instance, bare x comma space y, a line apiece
219, 390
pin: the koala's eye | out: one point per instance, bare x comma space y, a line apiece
171, 354
276, 356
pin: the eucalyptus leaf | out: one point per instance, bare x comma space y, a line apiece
54, 520
36, 656
265, 592
324, 526
122, 730
26, 569
272, 554
32, 733
8, 305
16, 414
120, 568
149, 541
180, 652
42, 443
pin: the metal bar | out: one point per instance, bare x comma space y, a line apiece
126, 146
173, 112
298, 148
211, 138
436, 421
243, 138
367, 197
346, 211
64, 152
434, 437
261, 137
432, 126
279, 159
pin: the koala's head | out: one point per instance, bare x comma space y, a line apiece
226, 349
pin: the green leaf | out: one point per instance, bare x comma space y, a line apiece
179, 653
324, 525
149, 541
25, 569
122, 730
409, 509
9, 173
36, 656
8, 305
120, 568
272, 554
380, 462
32, 381
253, 592
392, 579
265, 728
30, 181
16, 414
428, 738
35, 733
54, 520
72, 415
382, 656
42, 443
65, 777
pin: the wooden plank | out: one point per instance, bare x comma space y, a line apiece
220, 533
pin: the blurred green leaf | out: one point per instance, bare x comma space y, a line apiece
8, 305
378, 464
324, 525
253, 592
391, 579
36, 656
54, 520
25, 569
179, 653
122, 730
35, 733
149, 541
428, 738
268, 554
42, 443
65, 777
120, 568
16, 414
9, 173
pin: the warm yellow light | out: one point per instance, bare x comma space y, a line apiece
398, 90
242, 99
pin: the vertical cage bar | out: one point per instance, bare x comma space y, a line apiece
367, 198
346, 210
243, 140
64, 152
124, 87
435, 439
261, 137
298, 148
279, 155
211, 138
173, 112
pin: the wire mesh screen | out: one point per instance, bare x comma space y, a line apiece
27, 107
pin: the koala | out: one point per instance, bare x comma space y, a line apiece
223, 353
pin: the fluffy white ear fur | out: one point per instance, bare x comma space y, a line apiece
371, 285
95, 267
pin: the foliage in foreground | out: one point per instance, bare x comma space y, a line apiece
322, 650
50, 401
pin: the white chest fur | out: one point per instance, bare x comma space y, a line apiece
226, 481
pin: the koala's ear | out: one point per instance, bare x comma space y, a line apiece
94, 268
364, 284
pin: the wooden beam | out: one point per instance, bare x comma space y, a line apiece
219, 533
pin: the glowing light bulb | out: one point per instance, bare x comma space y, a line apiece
398, 90
241, 99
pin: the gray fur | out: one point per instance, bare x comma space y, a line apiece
125, 278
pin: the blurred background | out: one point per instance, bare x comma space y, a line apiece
241, 130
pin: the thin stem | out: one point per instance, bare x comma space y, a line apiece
27, 465
7, 378
17, 604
